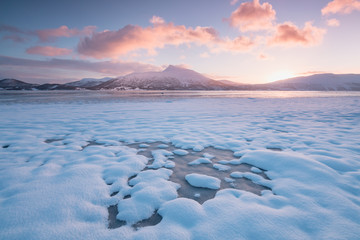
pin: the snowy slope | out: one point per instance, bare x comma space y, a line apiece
88, 82
172, 78
319, 82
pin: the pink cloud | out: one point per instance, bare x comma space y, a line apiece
111, 44
48, 51
238, 44
46, 35
253, 16
288, 34
333, 22
341, 6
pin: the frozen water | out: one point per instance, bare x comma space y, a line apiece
187, 164
65, 189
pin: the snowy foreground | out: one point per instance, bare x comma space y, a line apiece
65, 168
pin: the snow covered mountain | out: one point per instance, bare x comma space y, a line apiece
177, 78
317, 82
172, 78
88, 82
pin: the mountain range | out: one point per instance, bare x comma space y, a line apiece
177, 78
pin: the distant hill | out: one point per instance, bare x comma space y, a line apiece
14, 84
177, 78
317, 82
88, 82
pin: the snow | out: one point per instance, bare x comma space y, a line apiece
255, 170
160, 158
144, 145
151, 189
88, 82
221, 167
162, 146
60, 163
232, 162
325, 81
208, 155
180, 152
204, 181
200, 161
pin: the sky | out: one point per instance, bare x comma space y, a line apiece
245, 41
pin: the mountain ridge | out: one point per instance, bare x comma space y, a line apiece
178, 78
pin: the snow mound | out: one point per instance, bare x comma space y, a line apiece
204, 181
221, 167
200, 161
180, 152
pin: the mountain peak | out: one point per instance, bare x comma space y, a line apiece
172, 68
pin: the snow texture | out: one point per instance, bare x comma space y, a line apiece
60, 162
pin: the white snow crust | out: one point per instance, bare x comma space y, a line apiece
204, 181
54, 186
200, 161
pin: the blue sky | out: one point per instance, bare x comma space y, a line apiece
245, 41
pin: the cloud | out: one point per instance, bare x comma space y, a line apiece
204, 55
233, 2
156, 20
11, 29
113, 68
111, 44
48, 51
253, 16
333, 22
15, 34
15, 38
262, 56
288, 34
341, 6
47, 35
238, 44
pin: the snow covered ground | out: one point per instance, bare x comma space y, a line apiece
64, 163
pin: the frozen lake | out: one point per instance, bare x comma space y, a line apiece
108, 95
179, 165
